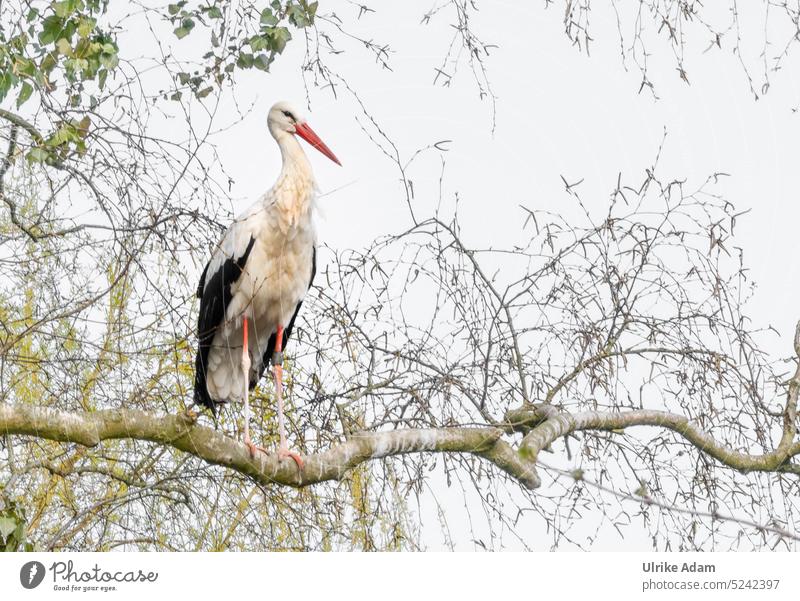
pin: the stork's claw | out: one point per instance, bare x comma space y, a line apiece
253, 448
284, 453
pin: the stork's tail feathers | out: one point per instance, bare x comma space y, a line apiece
201, 396
202, 399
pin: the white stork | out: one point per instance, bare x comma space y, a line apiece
253, 285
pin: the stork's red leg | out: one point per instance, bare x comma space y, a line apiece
246, 373
277, 361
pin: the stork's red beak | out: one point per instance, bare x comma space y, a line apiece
304, 131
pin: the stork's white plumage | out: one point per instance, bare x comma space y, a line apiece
258, 275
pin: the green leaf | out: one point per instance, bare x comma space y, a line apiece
186, 26
86, 26
258, 42
214, 13
52, 28
7, 526
297, 16
109, 61
70, 27
48, 62
279, 36
64, 8
7, 79
38, 155
19, 532
24, 94
173, 9
268, 17
19, 42
245, 60
204, 92
64, 47
262, 62
24, 66
83, 126
102, 75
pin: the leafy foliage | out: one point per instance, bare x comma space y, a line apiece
13, 533
240, 36
68, 49
58, 44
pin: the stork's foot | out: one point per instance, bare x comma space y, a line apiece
252, 448
283, 453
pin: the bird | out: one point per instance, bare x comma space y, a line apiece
253, 286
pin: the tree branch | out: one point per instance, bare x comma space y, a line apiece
182, 432
562, 424
790, 412
20, 122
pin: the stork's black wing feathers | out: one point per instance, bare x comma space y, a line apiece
214, 299
270, 350
201, 286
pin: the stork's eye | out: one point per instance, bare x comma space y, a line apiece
288, 114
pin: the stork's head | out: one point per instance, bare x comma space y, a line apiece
284, 119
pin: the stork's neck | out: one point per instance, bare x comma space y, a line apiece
295, 161
293, 192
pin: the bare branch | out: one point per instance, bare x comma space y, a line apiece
563, 424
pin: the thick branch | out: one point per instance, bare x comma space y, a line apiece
547, 432
20, 122
790, 412
181, 432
